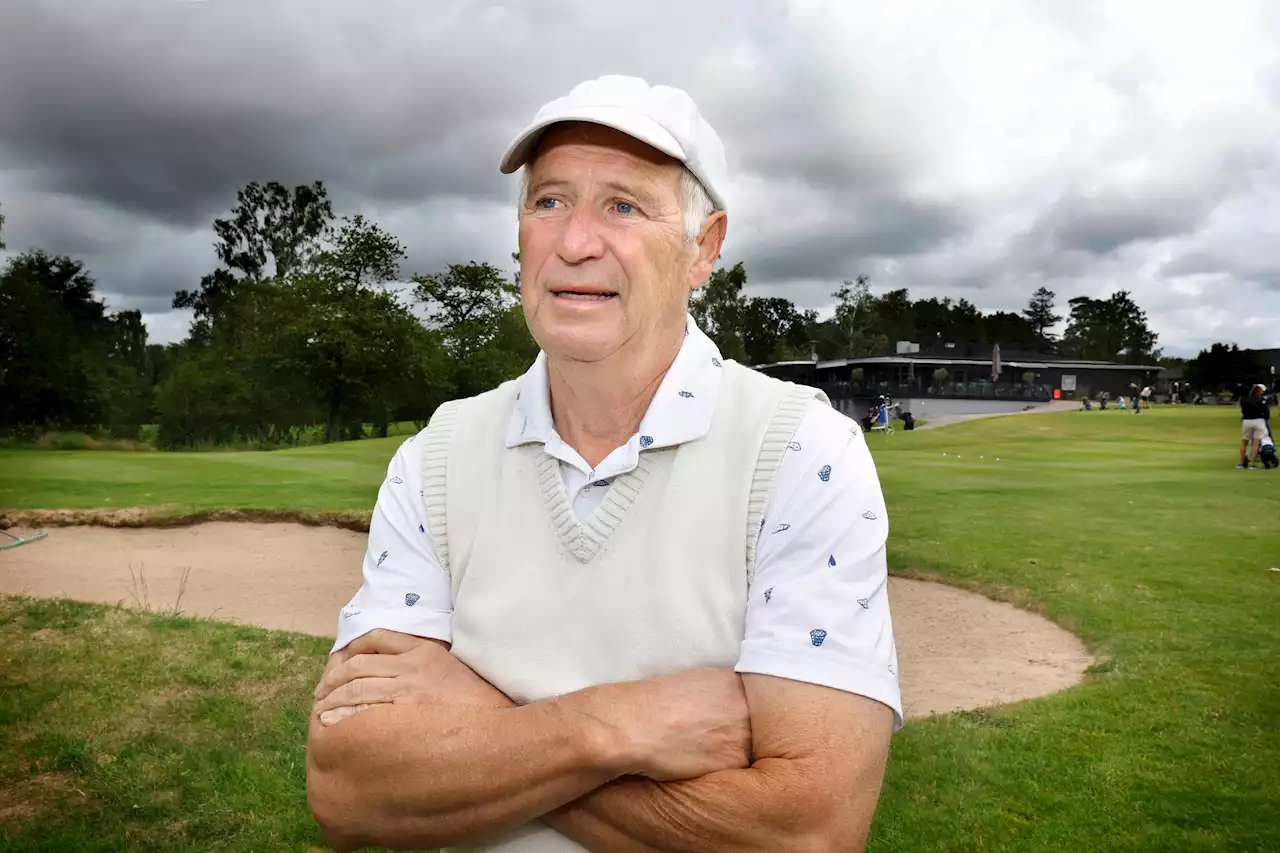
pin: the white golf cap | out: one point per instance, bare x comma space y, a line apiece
660, 116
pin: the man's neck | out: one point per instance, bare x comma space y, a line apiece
598, 407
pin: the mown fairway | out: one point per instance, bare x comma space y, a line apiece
123, 731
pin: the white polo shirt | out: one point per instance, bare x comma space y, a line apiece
809, 512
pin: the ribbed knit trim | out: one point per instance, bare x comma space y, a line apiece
782, 428
435, 469
585, 538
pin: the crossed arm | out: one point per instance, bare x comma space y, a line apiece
440, 757
819, 761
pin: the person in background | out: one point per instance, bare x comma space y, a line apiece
1255, 426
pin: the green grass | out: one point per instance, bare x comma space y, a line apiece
125, 731
341, 477
148, 439
1135, 531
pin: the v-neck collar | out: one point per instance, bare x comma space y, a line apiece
681, 410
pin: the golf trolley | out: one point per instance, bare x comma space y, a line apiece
882, 416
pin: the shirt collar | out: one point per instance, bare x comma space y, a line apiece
681, 410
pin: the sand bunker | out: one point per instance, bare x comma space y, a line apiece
956, 650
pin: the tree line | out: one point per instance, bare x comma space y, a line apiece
302, 333
296, 336
766, 329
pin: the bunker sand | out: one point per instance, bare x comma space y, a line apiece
956, 649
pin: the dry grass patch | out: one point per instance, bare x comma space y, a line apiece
31, 797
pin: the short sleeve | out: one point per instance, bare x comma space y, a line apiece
818, 609
404, 588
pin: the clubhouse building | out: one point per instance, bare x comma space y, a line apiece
961, 380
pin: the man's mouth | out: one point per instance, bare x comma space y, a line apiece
585, 295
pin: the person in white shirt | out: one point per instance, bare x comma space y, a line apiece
637, 598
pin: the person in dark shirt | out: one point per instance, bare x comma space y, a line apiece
1255, 424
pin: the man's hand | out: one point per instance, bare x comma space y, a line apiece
687, 725
385, 667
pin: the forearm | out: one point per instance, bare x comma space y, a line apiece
434, 776
760, 808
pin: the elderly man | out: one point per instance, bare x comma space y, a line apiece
634, 600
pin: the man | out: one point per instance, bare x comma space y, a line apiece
636, 599
1255, 419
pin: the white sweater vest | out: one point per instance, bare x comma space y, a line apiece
653, 582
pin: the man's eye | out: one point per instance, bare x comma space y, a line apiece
626, 208
545, 204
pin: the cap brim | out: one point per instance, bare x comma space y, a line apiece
633, 124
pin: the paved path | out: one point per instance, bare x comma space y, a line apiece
948, 420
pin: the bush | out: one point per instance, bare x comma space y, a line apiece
65, 440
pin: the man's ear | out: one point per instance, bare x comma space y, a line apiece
710, 241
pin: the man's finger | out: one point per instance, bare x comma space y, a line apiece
334, 661
337, 715
361, 691
359, 666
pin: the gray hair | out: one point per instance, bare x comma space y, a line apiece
694, 198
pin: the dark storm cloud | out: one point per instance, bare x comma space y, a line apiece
164, 108
853, 229
183, 103
1263, 271
1102, 225
975, 152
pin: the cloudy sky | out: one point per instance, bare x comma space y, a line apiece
978, 149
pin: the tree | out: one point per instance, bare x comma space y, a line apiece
895, 315
271, 233
773, 330
476, 311
855, 319
1112, 329
717, 307
65, 362
462, 300
1009, 329
1039, 313
1, 231
1224, 367
350, 345
272, 227
295, 329
362, 253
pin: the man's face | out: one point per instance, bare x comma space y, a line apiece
604, 264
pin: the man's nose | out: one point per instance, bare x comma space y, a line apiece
581, 240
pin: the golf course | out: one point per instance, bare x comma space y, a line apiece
145, 726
